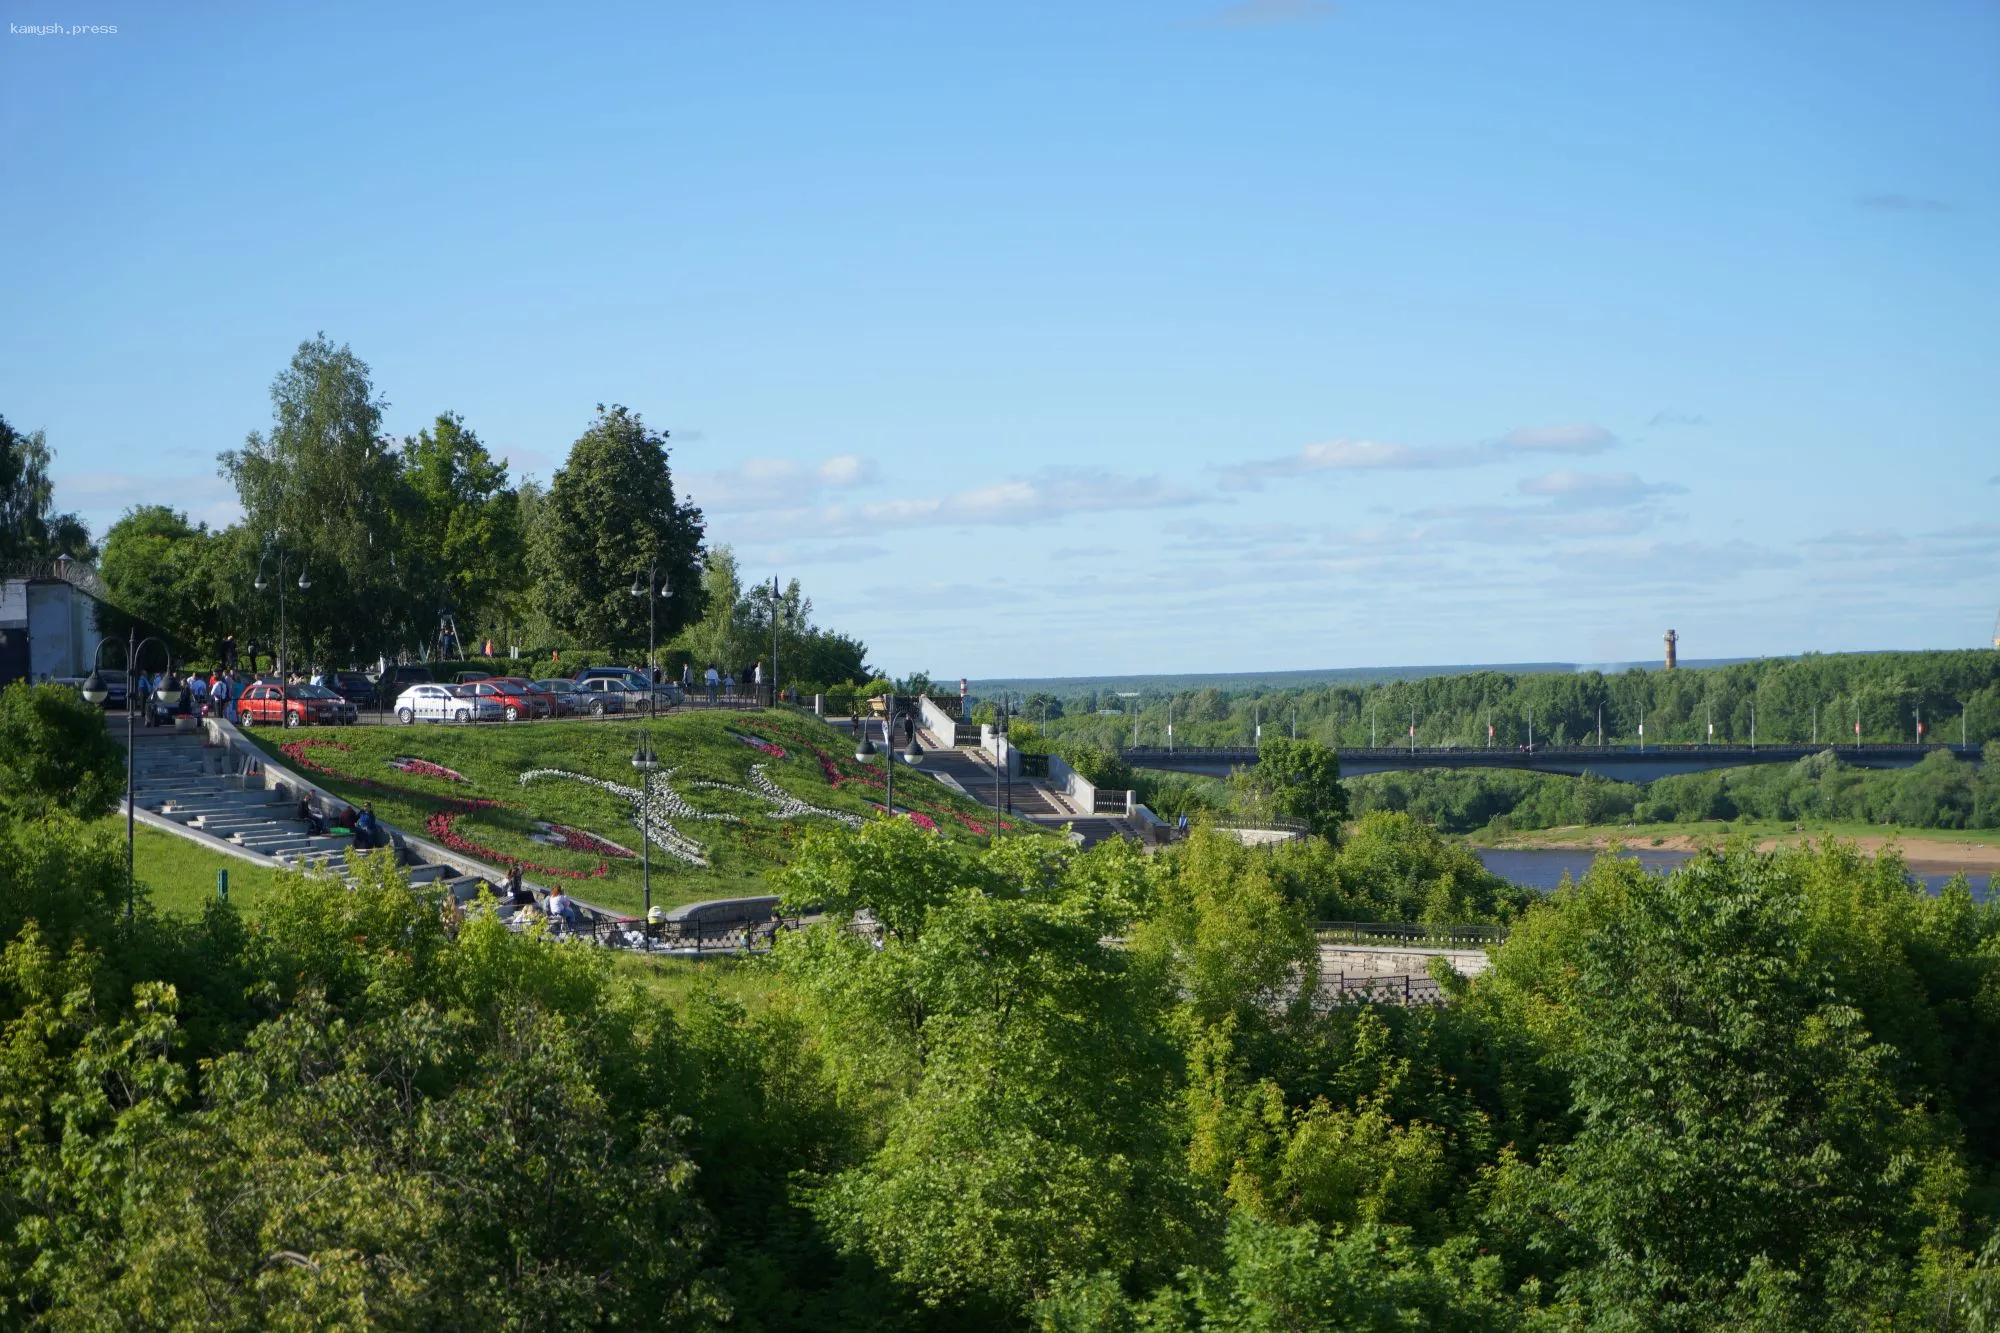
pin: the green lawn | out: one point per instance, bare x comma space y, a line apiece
751, 982
179, 874
493, 815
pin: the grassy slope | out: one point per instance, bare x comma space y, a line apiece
179, 875
694, 746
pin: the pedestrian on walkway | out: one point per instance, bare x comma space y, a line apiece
713, 678
687, 676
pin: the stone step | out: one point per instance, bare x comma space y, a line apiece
231, 828
221, 802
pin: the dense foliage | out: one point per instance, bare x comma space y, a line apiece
1940, 792
365, 544
1042, 1088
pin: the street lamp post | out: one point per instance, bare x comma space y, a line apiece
646, 761
864, 754
305, 584
96, 692
646, 590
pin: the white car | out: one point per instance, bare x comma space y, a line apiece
443, 703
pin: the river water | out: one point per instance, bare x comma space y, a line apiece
1544, 869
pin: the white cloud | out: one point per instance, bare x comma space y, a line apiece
1669, 562
1347, 455
1589, 490
760, 484
1046, 496
1578, 439
1667, 416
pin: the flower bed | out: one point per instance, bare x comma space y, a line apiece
423, 768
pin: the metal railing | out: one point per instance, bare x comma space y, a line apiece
1406, 932
1338, 988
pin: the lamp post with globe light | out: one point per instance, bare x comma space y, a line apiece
96, 691
864, 754
305, 584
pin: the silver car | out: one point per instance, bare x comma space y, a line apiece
615, 693
573, 698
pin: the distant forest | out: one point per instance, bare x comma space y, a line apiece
1951, 694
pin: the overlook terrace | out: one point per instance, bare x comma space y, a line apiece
1625, 763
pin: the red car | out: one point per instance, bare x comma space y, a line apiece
291, 706
517, 698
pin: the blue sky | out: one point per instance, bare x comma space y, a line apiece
1072, 338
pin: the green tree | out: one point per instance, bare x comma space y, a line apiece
459, 538
322, 487
30, 529
1719, 1075
55, 753
724, 634
611, 514
1303, 779
165, 571
1025, 1135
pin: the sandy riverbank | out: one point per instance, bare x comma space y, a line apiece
1932, 856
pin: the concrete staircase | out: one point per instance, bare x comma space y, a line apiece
196, 788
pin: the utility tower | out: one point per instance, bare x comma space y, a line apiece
1672, 640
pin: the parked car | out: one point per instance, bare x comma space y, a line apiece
275, 705
638, 686
468, 677
514, 702
573, 698
540, 702
431, 702
614, 692
335, 707
353, 686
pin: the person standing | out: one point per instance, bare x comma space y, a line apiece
712, 678
687, 676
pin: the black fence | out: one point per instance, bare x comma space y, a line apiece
1338, 988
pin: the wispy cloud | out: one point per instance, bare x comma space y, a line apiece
760, 484
1667, 416
1045, 497
1657, 562
1595, 490
1578, 439
1346, 455
1903, 203
1271, 13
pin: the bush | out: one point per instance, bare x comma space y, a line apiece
56, 753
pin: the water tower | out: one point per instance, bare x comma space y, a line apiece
1672, 639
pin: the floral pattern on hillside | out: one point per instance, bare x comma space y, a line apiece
424, 768
441, 825
578, 840
654, 818
759, 743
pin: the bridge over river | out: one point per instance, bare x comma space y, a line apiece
1625, 763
